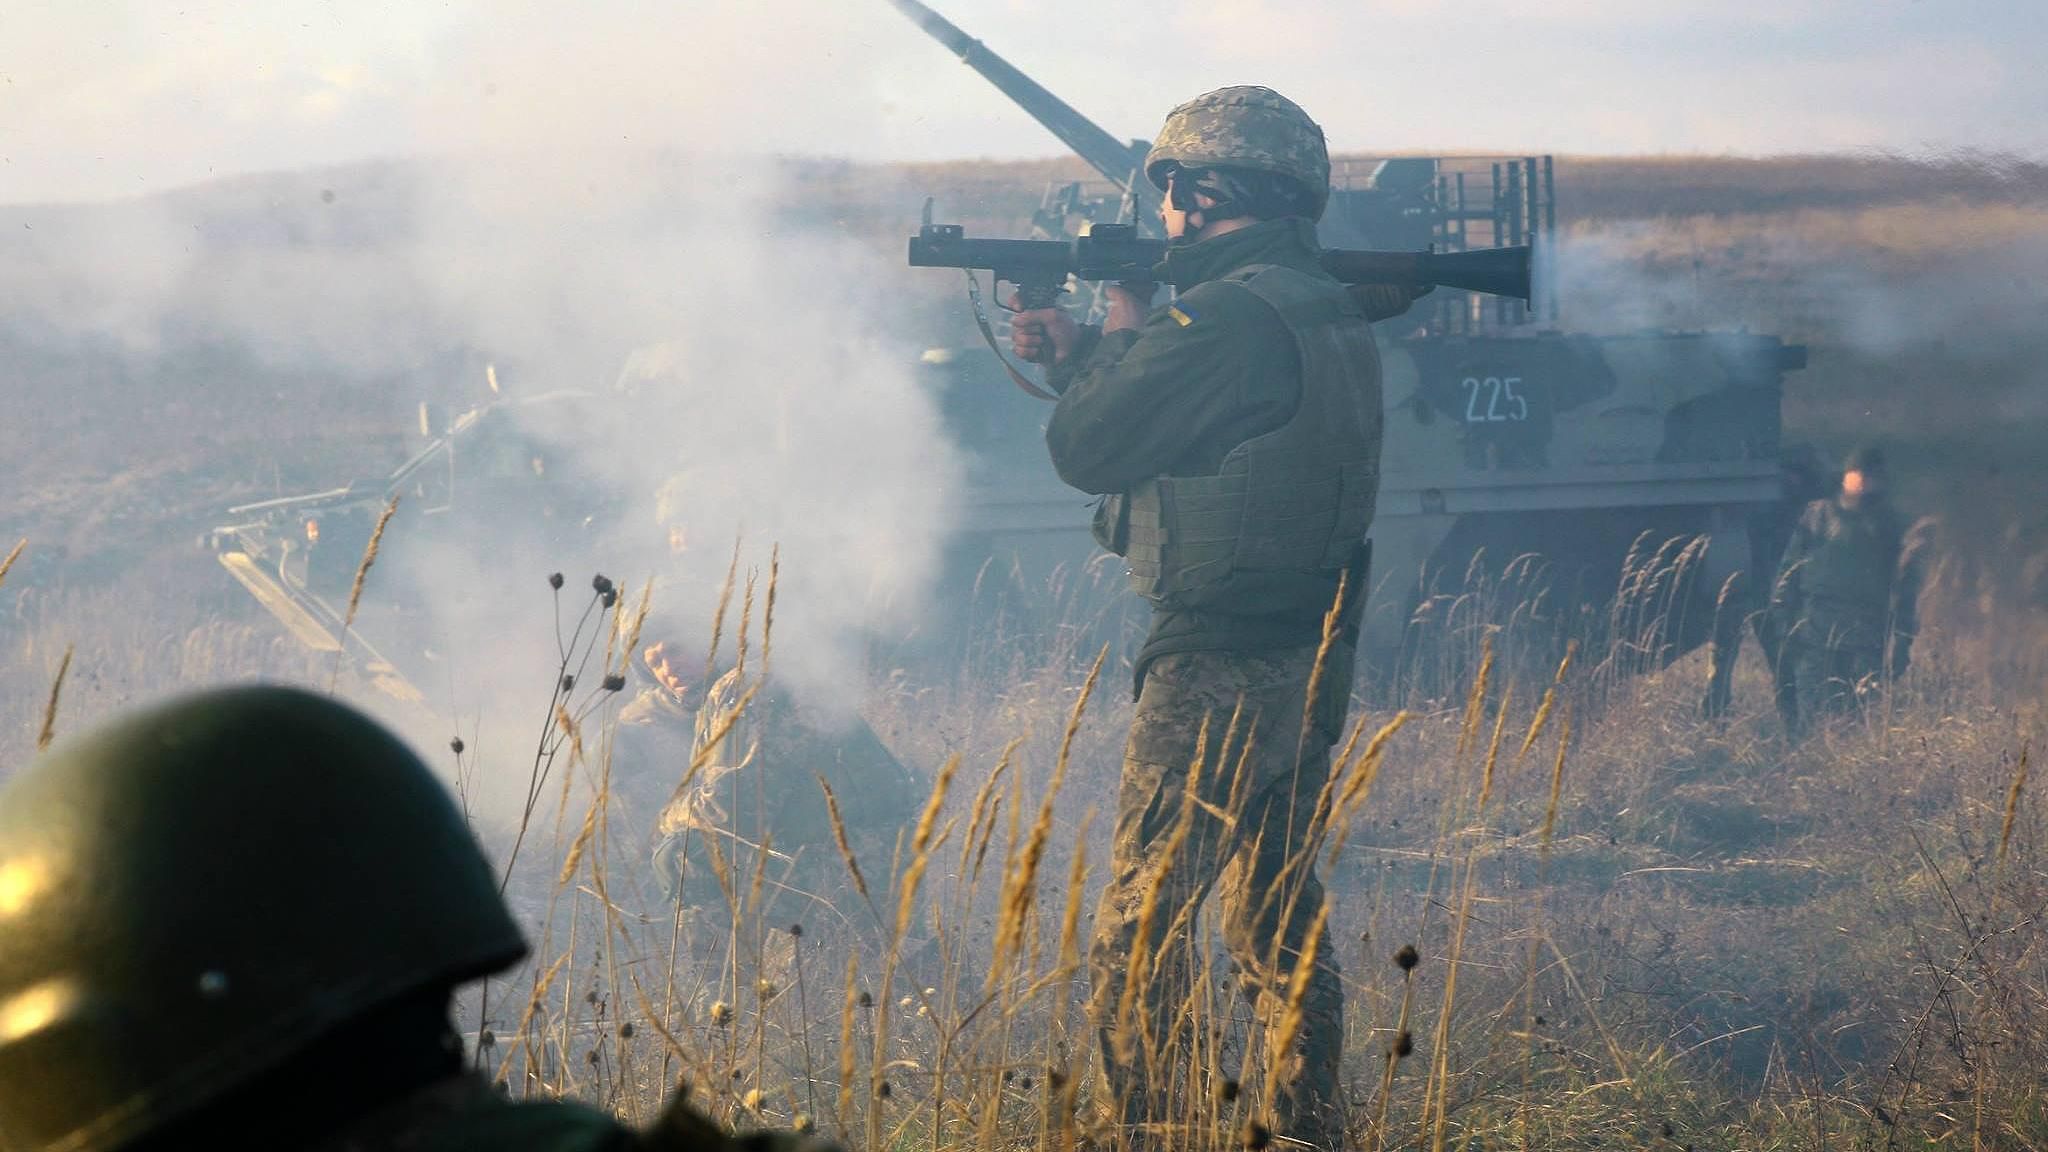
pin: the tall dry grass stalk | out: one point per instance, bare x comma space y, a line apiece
732, 572
48, 732
355, 588
13, 554
2012, 806
1020, 886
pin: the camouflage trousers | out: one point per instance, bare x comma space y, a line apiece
1237, 832
1827, 679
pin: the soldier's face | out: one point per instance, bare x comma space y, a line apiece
1855, 486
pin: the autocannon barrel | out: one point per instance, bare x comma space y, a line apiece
1120, 163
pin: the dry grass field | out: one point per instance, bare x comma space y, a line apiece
1630, 927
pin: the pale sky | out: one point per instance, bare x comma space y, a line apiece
100, 98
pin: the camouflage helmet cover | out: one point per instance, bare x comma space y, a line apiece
1244, 127
193, 894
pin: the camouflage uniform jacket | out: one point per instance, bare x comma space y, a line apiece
1173, 397
1846, 580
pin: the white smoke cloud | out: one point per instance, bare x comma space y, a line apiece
594, 221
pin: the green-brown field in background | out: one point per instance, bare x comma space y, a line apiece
1707, 940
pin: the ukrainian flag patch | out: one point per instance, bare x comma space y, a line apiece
1180, 315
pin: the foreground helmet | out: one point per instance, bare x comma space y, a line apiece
192, 895
1244, 127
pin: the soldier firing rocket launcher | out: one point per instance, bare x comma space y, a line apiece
1040, 268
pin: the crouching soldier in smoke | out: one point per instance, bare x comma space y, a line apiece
237, 921
1235, 435
754, 802
1844, 606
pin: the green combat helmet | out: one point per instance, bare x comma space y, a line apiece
194, 895
1244, 127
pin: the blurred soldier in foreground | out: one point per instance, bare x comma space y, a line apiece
236, 921
1235, 436
1843, 609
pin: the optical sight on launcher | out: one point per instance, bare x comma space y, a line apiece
1039, 268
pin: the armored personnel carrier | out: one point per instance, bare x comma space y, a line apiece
1552, 483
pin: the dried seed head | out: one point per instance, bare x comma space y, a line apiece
568, 683
1055, 1077
1024, 1083
1669, 1131
796, 930
1257, 1136
590, 1058
1407, 958
764, 988
456, 745
590, 997
1540, 1021
721, 1013
752, 1100
626, 1030
609, 597
487, 1039
1227, 1091
1404, 1043
803, 1124
884, 1090
867, 999
555, 581
601, 583
1008, 1075
614, 682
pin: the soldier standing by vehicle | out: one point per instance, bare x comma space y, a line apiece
1844, 604
1235, 437
236, 921
1769, 530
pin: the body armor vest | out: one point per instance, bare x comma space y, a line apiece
1268, 533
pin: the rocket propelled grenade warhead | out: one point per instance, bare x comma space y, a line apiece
1040, 268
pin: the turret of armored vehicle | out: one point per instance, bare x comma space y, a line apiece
1605, 486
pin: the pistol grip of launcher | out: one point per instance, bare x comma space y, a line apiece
1035, 294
